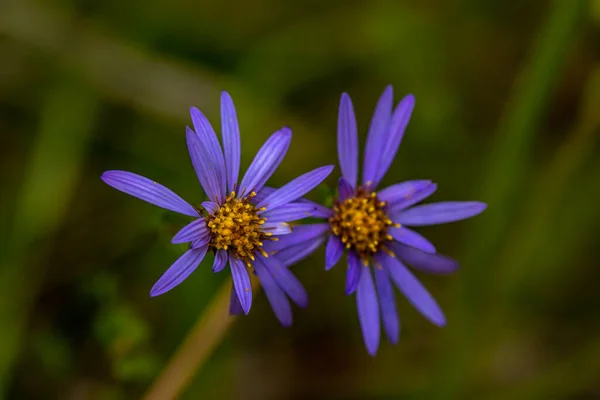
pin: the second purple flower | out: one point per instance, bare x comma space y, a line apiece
374, 226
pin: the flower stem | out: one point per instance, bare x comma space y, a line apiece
196, 348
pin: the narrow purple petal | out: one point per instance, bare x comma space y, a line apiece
241, 282
210, 207
221, 258
347, 140
266, 161
195, 230
368, 311
440, 213
333, 251
231, 140
148, 190
416, 294
387, 304
296, 188
263, 194
286, 280
320, 212
300, 234
276, 228
411, 238
209, 140
345, 190
179, 271
433, 263
292, 254
290, 212
402, 191
377, 134
279, 302
235, 308
395, 133
355, 270
201, 242
204, 167
398, 207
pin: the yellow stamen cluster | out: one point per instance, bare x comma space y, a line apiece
236, 226
361, 224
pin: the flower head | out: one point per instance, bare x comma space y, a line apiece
371, 225
239, 219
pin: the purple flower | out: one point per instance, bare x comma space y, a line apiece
374, 226
239, 220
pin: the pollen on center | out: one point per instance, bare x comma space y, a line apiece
236, 227
361, 223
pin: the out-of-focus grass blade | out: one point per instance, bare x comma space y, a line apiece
53, 170
502, 182
504, 176
519, 259
522, 259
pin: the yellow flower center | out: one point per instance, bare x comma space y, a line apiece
361, 223
236, 227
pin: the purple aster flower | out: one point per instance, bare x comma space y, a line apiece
236, 222
374, 226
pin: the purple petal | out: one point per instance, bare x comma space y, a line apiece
290, 212
221, 258
355, 270
241, 282
179, 271
208, 137
345, 190
286, 280
266, 161
235, 308
416, 294
263, 194
398, 207
402, 191
320, 212
276, 228
195, 230
296, 188
433, 263
148, 190
347, 140
300, 234
276, 296
231, 140
395, 133
387, 304
210, 207
368, 311
440, 213
377, 134
201, 242
204, 167
292, 254
333, 251
411, 238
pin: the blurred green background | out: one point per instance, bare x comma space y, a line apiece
508, 112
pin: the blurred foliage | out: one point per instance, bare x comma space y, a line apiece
507, 94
